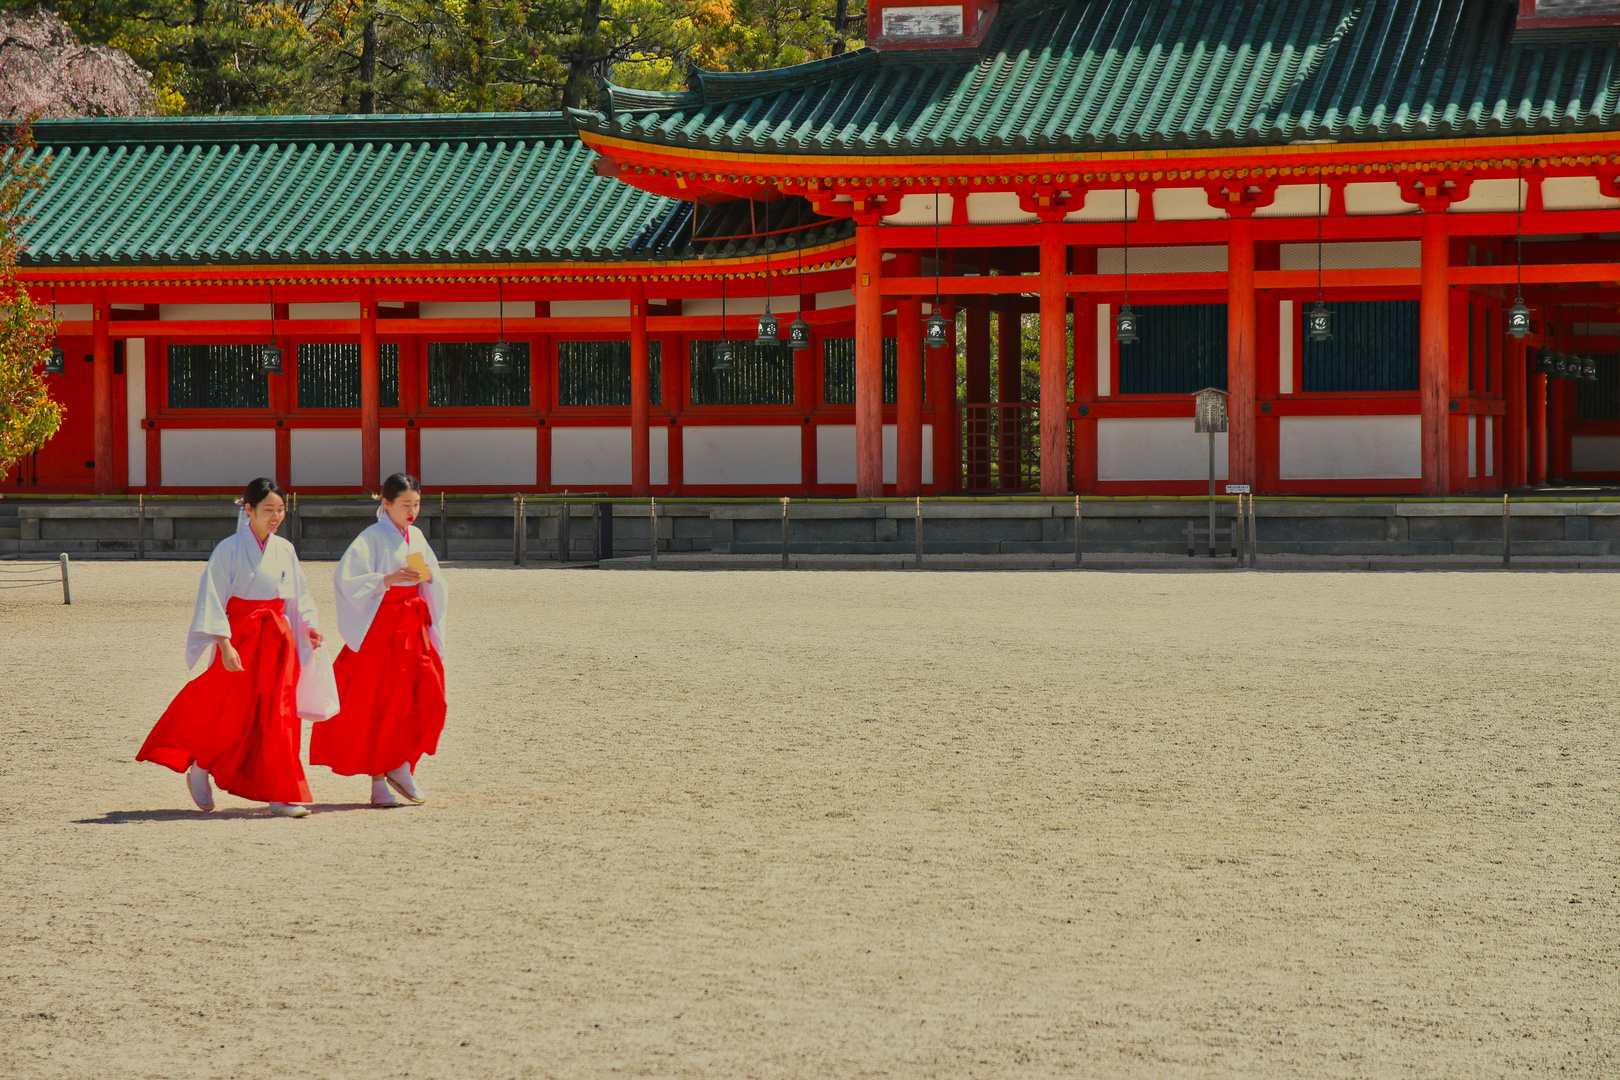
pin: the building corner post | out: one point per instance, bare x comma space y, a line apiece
1054, 364
1434, 353
1242, 330
868, 355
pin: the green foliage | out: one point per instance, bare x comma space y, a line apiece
325, 56
28, 416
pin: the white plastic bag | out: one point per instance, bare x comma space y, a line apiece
317, 688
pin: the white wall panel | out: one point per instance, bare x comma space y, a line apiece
1285, 347
1156, 449
1350, 448
1355, 255
478, 456
212, 312
1595, 453
479, 309
826, 301
582, 457
1492, 196
919, 210
998, 208
1376, 199
1105, 204
1574, 193
741, 305
1202, 258
1473, 446
324, 311
326, 457
835, 453
587, 309
76, 312
742, 455
1298, 200
391, 451
196, 457
1173, 204
135, 408
1490, 445
1105, 350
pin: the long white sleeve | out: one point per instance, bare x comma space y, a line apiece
208, 618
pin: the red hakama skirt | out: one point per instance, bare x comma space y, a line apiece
242, 726
391, 691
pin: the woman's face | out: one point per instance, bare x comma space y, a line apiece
265, 518
402, 510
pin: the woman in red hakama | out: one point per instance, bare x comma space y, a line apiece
390, 674
238, 721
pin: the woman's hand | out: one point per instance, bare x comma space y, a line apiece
316, 638
405, 575
228, 654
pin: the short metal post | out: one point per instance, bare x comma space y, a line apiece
444, 530
140, 527
1507, 538
596, 532
652, 530
1190, 551
565, 540
514, 530
784, 532
67, 582
523, 530
1077, 530
919, 532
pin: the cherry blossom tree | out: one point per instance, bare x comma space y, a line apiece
46, 72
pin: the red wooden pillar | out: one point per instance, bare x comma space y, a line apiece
868, 358
1515, 435
102, 392
370, 394
1009, 390
1434, 344
640, 395
1242, 333
1054, 359
1085, 377
1537, 408
908, 333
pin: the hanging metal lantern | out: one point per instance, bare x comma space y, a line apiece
56, 362
1320, 320
1518, 318
1125, 325
1561, 364
937, 332
270, 359
798, 334
1589, 369
767, 327
500, 357
1544, 360
725, 354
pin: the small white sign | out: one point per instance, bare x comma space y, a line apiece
1237, 489
930, 21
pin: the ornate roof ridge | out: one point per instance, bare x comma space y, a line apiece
380, 127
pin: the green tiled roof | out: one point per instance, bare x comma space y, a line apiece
331, 189
1103, 75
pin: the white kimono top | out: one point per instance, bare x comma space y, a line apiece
358, 580
238, 567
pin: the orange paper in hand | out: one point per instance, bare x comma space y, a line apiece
415, 561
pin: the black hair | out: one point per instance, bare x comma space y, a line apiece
399, 484
258, 490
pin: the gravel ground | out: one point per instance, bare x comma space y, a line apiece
1108, 825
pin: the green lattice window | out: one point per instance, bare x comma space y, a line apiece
460, 374
217, 377
598, 372
838, 371
1374, 347
329, 376
1181, 350
761, 374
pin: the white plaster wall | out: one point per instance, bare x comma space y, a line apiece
475, 456
391, 451
835, 453
919, 210
326, 457
1297, 200
1156, 448
1473, 446
1492, 195
1285, 347
209, 457
1355, 255
1490, 445
323, 311
587, 309
586, 456
135, 408
515, 309
1202, 258
74, 312
997, 208
1376, 199
1595, 453
1350, 448
1574, 193
1176, 204
826, 301
742, 305
742, 455
1105, 204
212, 312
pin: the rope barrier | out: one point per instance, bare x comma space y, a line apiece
65, 579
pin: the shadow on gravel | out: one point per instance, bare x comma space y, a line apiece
235, 813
